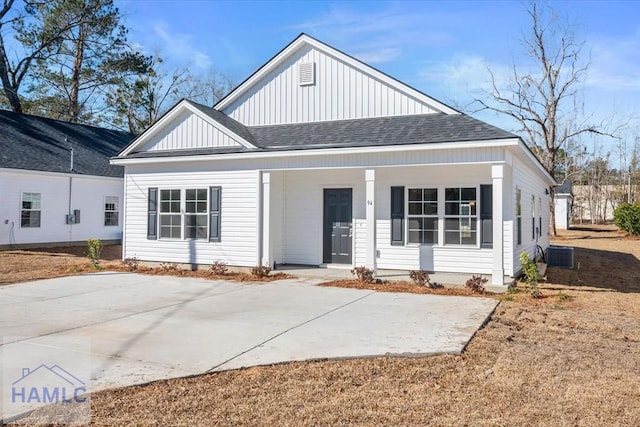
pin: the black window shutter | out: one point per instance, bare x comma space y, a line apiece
533, 228
215, 194
486, 216
397, 216
152, 214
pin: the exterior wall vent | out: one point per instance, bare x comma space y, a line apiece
560, 256
306, 74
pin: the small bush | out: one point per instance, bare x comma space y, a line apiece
95, 252
476, 284
363, 274
420, 277
218, 268
627, 218
530, 274
169, 266
564, 297
260, 271
131, 263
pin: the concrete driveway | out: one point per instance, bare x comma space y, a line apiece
143, 328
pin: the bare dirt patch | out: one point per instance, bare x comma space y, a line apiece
25, 265
47, 263
553, 362
402, 286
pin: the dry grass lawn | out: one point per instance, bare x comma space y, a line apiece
552, 362
26, 265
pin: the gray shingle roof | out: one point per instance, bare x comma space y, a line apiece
38, 143
231, 124
379, 131
565, 187
398, 130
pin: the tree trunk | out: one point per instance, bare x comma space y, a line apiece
552, 212
74, 105
9, 90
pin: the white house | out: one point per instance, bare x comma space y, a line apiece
320, 159
56, 183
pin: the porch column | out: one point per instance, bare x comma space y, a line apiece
266, 218
370, 216
497, 272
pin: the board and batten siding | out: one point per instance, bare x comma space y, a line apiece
87, 195
189, 131
239, 218
340, 92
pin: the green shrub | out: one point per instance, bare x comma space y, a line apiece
363, 274
95, 252
530, 274
627, 218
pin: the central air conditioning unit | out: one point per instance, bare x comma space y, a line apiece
560, 256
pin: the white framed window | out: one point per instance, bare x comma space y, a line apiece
111, 211
422, 215
460, 216
184, 213
170, 214
196, 215
30, 210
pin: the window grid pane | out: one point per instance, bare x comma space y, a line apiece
422, 217
460, 216
30, 211
196, 214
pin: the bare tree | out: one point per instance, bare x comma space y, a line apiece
544, 101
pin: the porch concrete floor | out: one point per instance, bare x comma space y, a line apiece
452, 280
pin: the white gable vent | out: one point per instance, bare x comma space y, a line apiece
306, 73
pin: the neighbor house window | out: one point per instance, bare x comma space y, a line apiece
170, 216
111, 211
460, 216
519, 215
30, 210
195, 218
422, 215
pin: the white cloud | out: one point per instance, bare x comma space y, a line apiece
180, 46
377, 36
615, 64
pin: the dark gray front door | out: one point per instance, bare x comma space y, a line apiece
337, 226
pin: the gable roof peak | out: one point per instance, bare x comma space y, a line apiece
305, 39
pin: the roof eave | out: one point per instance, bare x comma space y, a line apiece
261, 154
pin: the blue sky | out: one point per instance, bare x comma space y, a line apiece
441, 48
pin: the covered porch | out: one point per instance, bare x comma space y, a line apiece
340, 218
